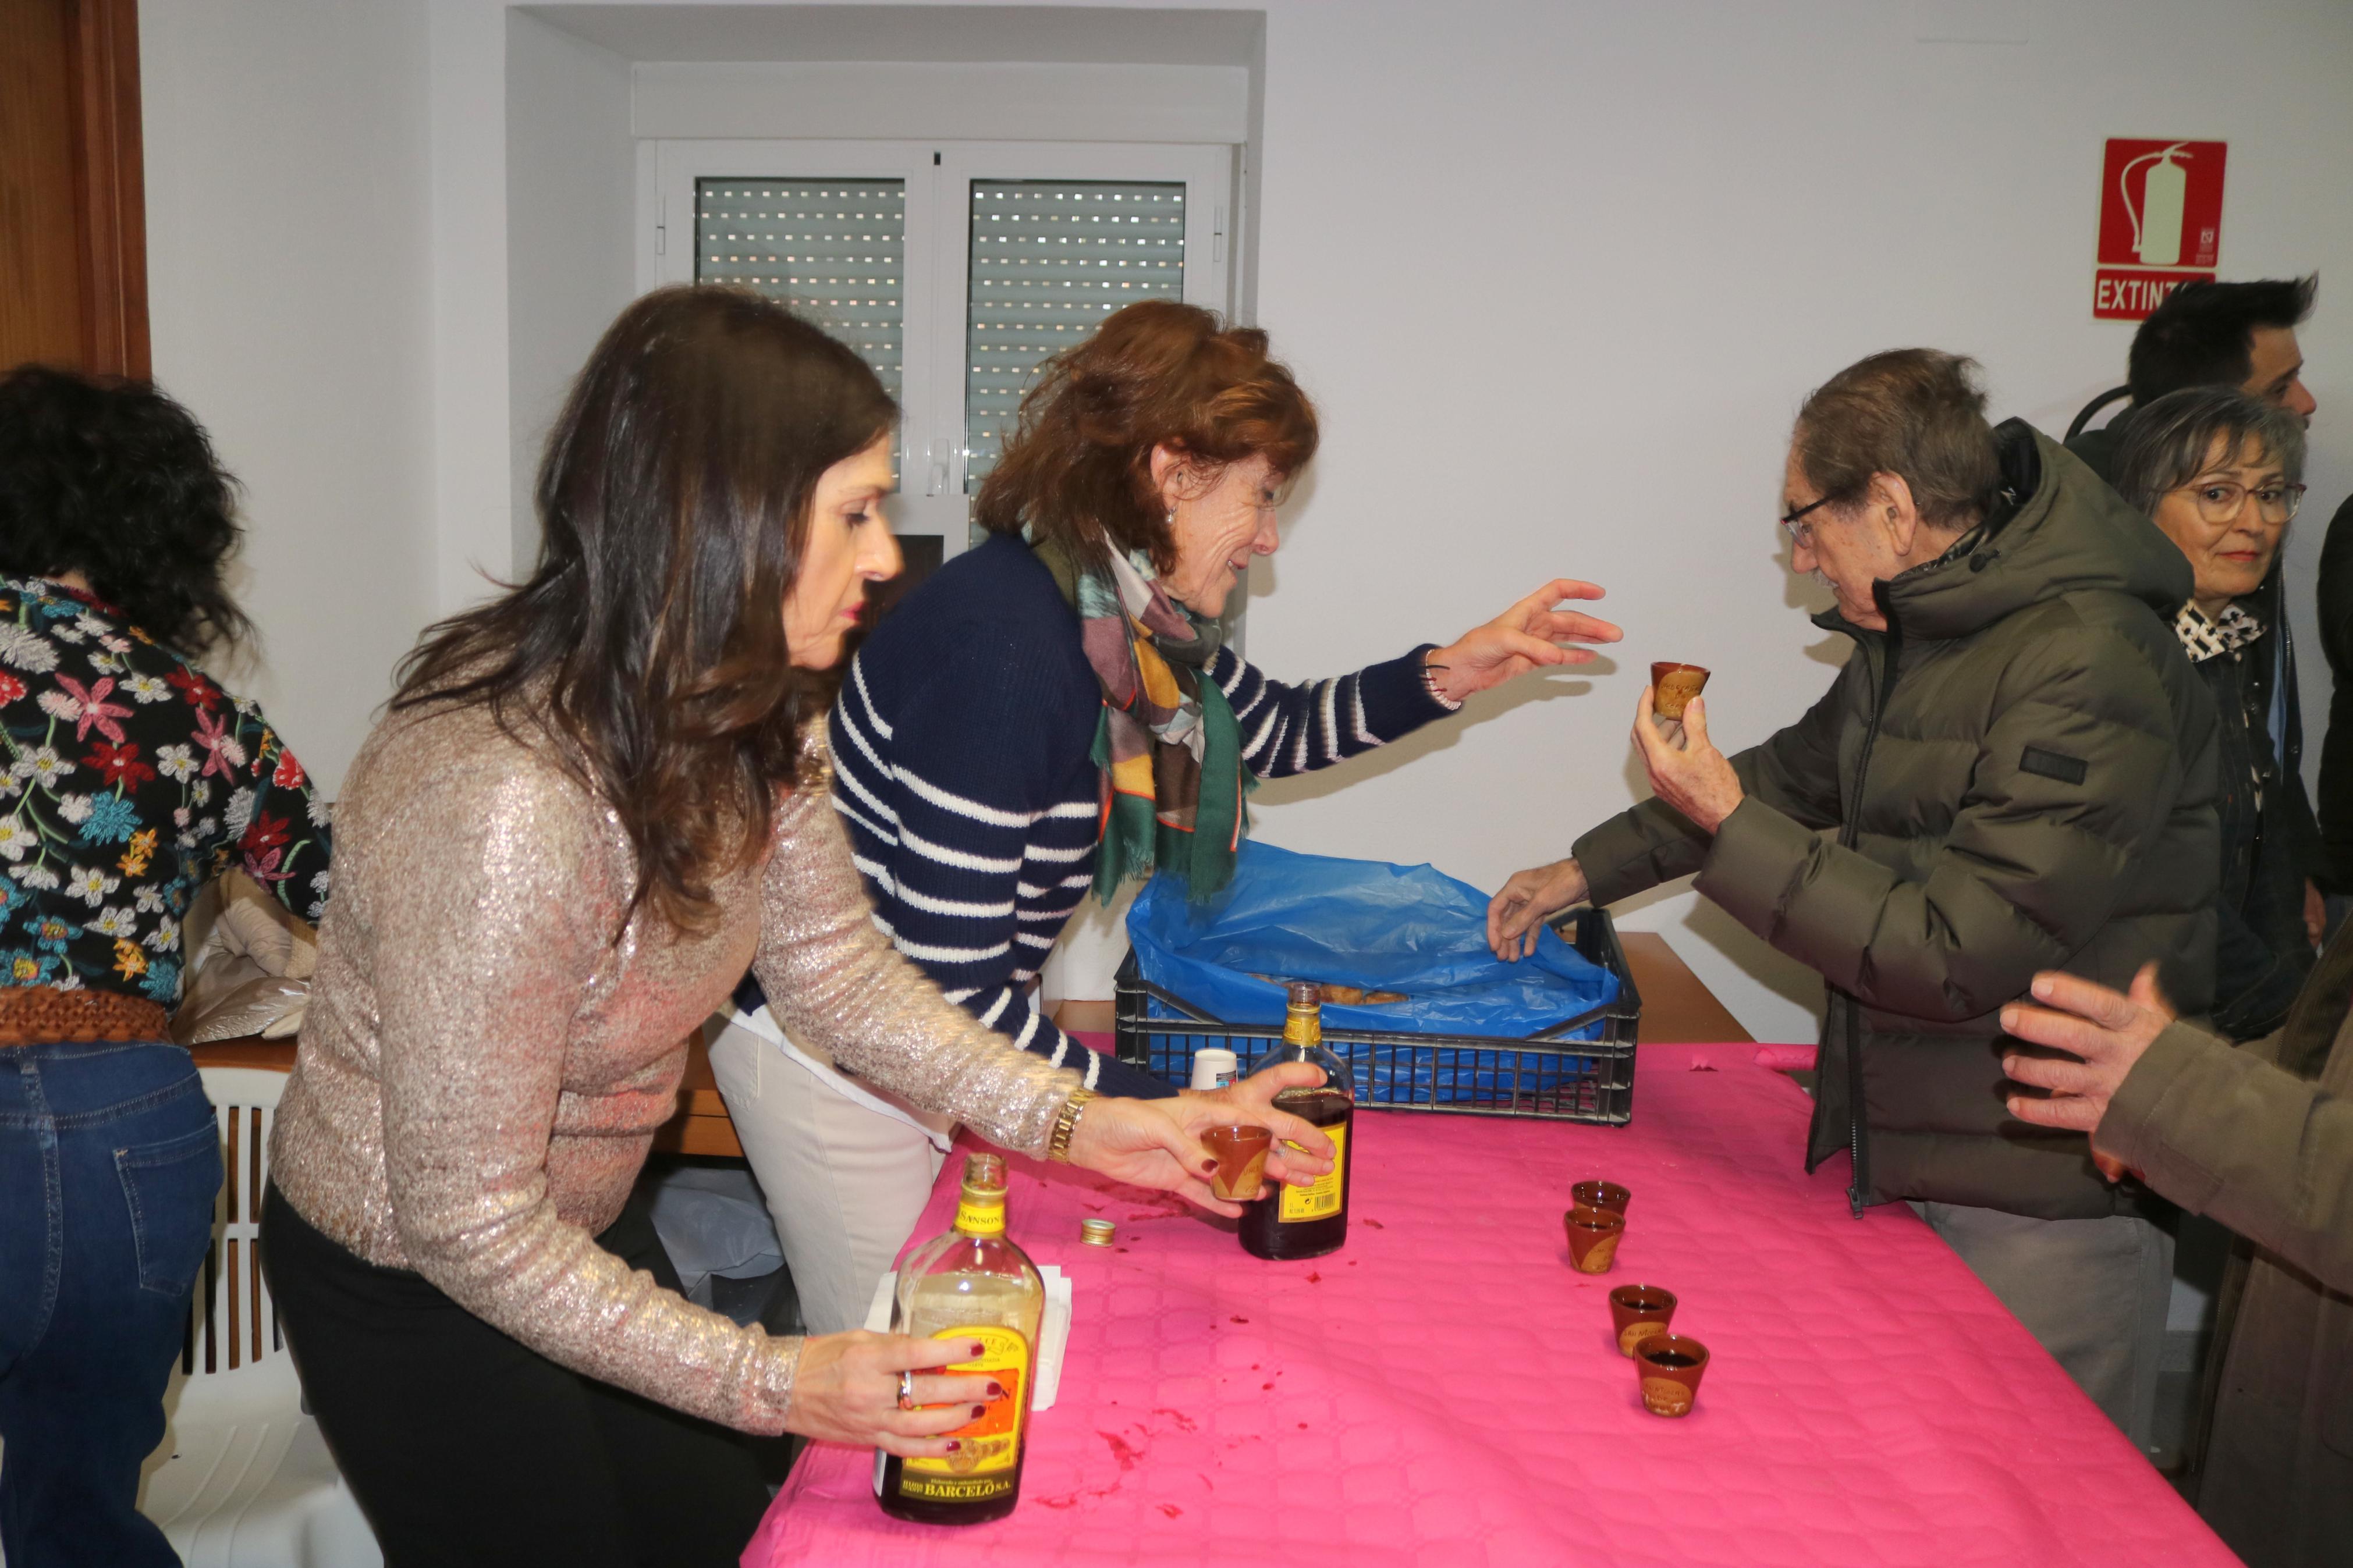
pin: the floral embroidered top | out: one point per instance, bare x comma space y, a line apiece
131, 780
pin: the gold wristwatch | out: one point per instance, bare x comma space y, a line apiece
1067, 1124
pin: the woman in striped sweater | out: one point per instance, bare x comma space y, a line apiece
1054, 712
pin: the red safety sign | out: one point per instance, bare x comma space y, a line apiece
2160, 221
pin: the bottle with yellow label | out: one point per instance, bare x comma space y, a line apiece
1307, 1222
971, 1284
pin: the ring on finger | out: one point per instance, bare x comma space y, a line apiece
906, 1390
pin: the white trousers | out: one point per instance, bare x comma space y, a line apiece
845, 1183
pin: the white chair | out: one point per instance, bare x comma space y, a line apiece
243, 1479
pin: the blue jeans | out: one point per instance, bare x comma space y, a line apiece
109, 1165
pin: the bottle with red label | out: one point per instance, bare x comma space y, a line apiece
1285, 1221
971, 1283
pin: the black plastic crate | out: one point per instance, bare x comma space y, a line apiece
1541, 1076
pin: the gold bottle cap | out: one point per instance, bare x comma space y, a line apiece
1097, 1231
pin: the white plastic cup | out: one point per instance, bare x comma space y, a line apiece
1212, 1068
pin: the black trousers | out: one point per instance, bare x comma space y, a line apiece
465, 1447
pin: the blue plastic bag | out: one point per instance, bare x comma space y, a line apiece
1410, 928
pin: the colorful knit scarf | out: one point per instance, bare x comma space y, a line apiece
1168, 744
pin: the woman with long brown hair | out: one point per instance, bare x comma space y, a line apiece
596, 800
1055, 711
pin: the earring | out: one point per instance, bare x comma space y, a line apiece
1171, 519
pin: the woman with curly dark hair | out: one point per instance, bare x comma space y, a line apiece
1054, 711
596, 799
131, 779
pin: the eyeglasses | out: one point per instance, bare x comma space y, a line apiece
1800, 532
2219, 500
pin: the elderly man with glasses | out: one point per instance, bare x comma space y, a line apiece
2013, 773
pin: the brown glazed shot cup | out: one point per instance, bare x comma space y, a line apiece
1674, 685
1670, 1367
1639, 1311
1601, 1195
1593, 1237
1241, 1161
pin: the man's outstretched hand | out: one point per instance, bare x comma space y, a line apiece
2105, 1031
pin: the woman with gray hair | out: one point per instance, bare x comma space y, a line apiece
2217, 471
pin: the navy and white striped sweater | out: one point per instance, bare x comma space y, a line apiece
962, 744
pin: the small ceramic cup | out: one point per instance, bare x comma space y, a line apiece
1639, 1311
1673, 685
1241, 1161
1670, 1366
1601, 1195
1593, 1237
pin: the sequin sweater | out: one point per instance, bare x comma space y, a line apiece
483, 1065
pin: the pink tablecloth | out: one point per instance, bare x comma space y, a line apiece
1444, 1390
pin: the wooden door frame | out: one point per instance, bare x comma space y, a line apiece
111, 211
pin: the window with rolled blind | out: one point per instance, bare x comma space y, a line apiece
953, 269
833, 250
1049, 260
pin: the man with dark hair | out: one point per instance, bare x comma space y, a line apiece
2243, 335
2015, 771
2212, 334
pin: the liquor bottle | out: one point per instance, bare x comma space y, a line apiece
970, 1283
1307, 1222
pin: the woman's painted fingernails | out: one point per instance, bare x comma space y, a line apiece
953, 1446
978, 1411
977, 1348
996, 1391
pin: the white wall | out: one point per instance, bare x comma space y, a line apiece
1558, 272
572, 175
999, 100
289, 279
1621, 242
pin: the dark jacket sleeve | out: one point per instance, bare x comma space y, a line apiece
2028, 872
2335, 806
1795, 771
2223, 1131
2266, 980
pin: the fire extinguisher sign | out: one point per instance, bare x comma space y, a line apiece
2160, 223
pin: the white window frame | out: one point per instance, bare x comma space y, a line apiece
938, 178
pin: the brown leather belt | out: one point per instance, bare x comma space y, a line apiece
45, 1015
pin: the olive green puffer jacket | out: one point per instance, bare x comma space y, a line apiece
2017, 774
